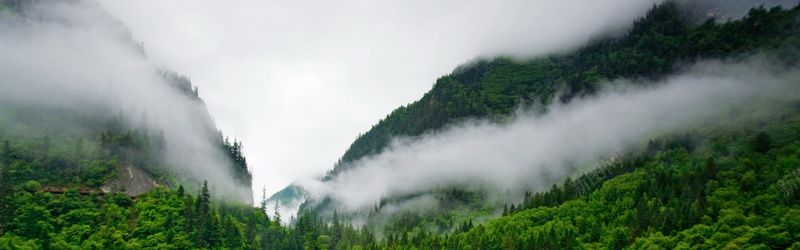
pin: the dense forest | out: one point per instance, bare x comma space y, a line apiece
730, 184
87, 139
657, 45
59, 147
654, 47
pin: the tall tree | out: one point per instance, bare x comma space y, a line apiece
78, 158
762, 142
264, 199
202, 212
5, 192
277, 216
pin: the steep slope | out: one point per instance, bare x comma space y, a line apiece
654, 47
83, 107
729, 181
495, 87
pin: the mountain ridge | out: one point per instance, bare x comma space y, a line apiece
494, 88
92, 106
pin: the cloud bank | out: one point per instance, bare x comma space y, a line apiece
71, 55
536, 150
293, 78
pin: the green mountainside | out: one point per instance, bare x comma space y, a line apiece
663, 42
494, 88
102, 134
728, 184
654, 47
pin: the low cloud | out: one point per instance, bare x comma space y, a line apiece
535, 149
266, 66
72, 56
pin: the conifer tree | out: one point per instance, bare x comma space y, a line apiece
5, 192
277, 216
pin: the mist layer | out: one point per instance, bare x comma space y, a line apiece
535, 149
71, 55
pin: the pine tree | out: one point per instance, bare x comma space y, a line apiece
6, 210
336, 229
202, 212
619, 239
277, 216
711, 168
188, 214
168, 225
5, 193
762, 143
79, 157
180, 192
160, 147
250, 232
264, 199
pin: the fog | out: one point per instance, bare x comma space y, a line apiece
293, 78
536, 149
72, 56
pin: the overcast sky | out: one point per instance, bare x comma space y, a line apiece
298, 80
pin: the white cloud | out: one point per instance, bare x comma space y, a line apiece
71, 55
298, 80
535, 151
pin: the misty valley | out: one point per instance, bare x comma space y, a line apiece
679, 130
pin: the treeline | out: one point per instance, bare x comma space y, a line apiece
75, 156
241, 170
160, 219
655, 46
60, 147
81, 155
729, 186
733, 184
85, 144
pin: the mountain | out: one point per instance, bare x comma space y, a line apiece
725, 181
701, 118
655, 47
82, 107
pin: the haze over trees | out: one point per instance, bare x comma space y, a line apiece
722, 183
658, 45
82, 107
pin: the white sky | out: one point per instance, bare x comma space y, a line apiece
298, 80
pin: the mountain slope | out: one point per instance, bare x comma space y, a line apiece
728, 182
495, 87
661, 43
729, 185
83, 107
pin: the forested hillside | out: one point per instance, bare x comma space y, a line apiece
730, 185
663, 42
115, 122
655, 46
730, 182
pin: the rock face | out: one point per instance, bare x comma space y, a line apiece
133, 180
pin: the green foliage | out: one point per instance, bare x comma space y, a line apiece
721, 186
654, 47
652, 199
234, 152
61, 148
675, 198
154, 220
